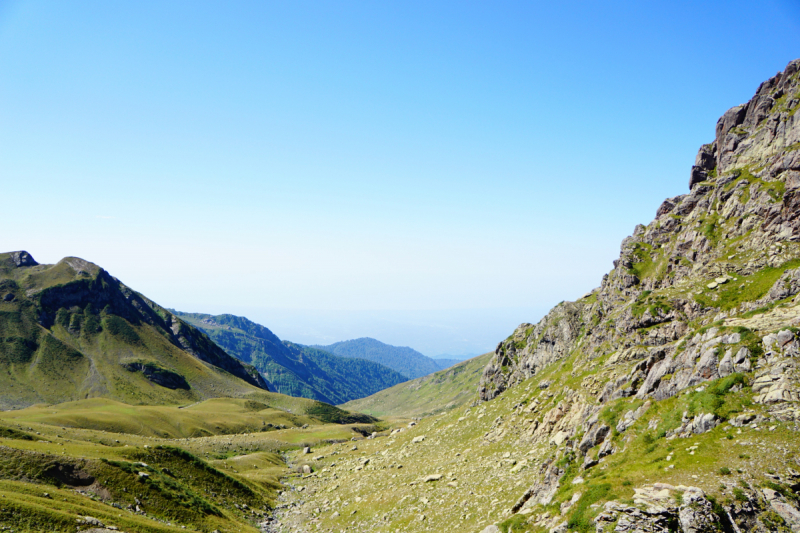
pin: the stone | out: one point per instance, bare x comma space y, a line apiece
491, 529
23, 259
307, 449
9, 297
743, 419
594, 437
432, 477
606, 449
418, 439
559, 438
697, 175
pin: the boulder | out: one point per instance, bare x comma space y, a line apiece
594, 437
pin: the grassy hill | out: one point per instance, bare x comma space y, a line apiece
215, 465
407, 361
440, 391
71, 331
291, 368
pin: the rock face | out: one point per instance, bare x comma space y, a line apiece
703, 301
744, 188
23, 259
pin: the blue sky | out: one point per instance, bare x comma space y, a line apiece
428, 173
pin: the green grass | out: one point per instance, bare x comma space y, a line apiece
745, 288
581, 517
441, 391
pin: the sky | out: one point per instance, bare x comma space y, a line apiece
431, 174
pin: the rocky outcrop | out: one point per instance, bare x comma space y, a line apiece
22, 259
661, 508
693, 264
777, 375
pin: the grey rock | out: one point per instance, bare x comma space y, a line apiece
594, 437
743, 419
23, 259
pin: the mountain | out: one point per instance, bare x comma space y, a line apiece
446, 363
428, 395
71, 331
665, 400
407, 361
291, 368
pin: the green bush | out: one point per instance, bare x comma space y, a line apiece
516, 523
580, 519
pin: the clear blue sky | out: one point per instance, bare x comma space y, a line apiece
363, 159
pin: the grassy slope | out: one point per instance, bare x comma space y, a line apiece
294, 369
487, 466
427, 395
199, 482
56, 346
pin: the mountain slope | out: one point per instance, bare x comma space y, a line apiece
407, 361
665, 400
291, 368
440, 391
71, 331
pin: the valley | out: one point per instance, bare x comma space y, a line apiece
665, 400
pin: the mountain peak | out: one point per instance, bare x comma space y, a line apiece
22, 259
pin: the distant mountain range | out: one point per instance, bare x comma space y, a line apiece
295, 369
407, 361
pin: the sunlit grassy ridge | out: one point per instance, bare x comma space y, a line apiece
71, 331
423, 396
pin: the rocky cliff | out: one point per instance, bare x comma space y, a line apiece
706, 293
727, 248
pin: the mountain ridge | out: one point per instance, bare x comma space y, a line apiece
292, 368
72, 331
403, 359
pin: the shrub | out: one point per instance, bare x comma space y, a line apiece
740, 495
